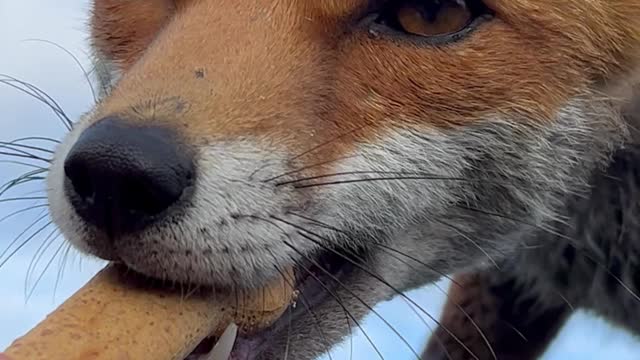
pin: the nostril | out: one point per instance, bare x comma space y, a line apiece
120, 177
137, 198
141, 197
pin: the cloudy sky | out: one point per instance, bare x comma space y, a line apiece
34, 280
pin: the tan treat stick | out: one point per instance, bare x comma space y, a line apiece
118, 316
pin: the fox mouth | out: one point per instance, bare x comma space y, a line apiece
316, 280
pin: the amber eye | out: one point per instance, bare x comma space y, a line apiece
428, 18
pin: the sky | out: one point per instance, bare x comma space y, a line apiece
38, 277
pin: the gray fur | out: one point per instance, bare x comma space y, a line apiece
593, 260
586, 259
589, 261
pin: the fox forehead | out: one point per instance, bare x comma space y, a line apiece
604, 33
290, 59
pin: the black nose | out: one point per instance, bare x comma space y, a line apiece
121, 177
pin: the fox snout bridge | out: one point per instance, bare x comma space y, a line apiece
121, 177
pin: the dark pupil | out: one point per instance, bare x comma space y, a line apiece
430, 9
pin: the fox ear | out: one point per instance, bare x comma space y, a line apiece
122, 29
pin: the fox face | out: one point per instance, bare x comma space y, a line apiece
371, 145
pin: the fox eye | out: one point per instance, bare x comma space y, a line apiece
430, 18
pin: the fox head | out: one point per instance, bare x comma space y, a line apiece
372, 145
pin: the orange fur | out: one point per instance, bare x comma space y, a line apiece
297, 71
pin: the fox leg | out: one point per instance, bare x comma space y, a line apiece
495, 317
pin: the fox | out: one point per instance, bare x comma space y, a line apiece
375, 147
